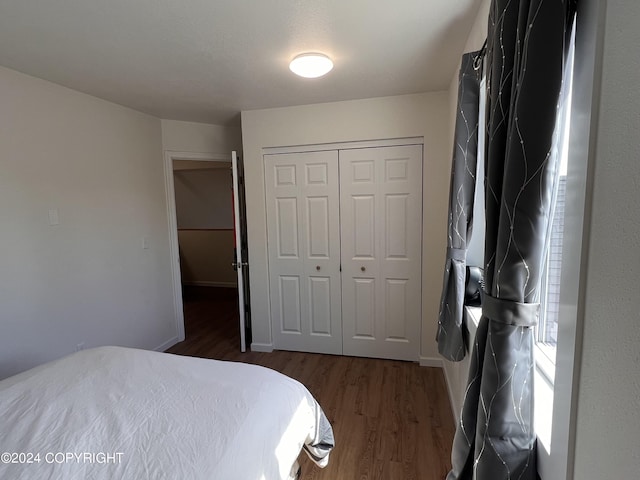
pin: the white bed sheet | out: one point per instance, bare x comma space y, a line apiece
167, 416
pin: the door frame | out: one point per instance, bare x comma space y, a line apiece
174, 252
338, 146
320, 147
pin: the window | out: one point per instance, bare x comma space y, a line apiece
550, 288
547, 329
547, 335
552, 403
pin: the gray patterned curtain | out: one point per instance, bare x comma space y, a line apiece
527, 42
451, 341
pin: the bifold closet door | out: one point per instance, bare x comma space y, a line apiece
381, 236
303, 230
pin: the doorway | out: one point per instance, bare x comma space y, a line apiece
202, 222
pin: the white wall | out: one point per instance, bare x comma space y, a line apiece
206, 257
608, 402
380, 118
205, 222
180, 136
203, 197
88, 279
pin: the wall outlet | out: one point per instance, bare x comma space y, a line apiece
54, 219
80, 346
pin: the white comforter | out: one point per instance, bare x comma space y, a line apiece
116, 413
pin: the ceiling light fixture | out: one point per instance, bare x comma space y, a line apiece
311, 65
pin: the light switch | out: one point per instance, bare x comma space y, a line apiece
145, 243
53, 217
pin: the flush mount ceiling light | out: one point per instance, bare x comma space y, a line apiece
311, 65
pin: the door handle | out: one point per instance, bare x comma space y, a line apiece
318, 268
242, 264
362, 269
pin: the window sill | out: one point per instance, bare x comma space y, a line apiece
543, 398
545, 362
472, 318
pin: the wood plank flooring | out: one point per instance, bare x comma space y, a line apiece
391, 419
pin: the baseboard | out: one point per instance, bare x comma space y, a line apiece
439, 363
167, 345
454, 407
431, 362
262, 347
211, 284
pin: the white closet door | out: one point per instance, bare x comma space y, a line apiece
304, 251
381, 215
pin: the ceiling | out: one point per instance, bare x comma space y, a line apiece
207, 60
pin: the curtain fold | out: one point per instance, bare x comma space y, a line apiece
527, 42
451, 334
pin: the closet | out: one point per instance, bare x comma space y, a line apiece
344, 231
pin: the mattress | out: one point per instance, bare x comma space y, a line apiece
120, 413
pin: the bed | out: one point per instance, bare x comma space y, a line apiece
121, 413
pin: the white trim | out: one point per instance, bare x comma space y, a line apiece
262, 347
237, 222
452, 400
167, 345
433, 362
172, 220
201, 156
472, 316
206, 283
543, 402
344, 145
545, 365
439, 363
178, 313
559, 462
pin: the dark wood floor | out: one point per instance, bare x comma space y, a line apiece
391, 419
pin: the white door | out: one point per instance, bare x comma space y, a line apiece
381, 215
303, 226
239, 262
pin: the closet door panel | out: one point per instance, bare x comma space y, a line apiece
287, 227
363, 308
318, 230
320, 305
289, 299
397, 222
363, 226
303, 231
381, 208
396, 321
